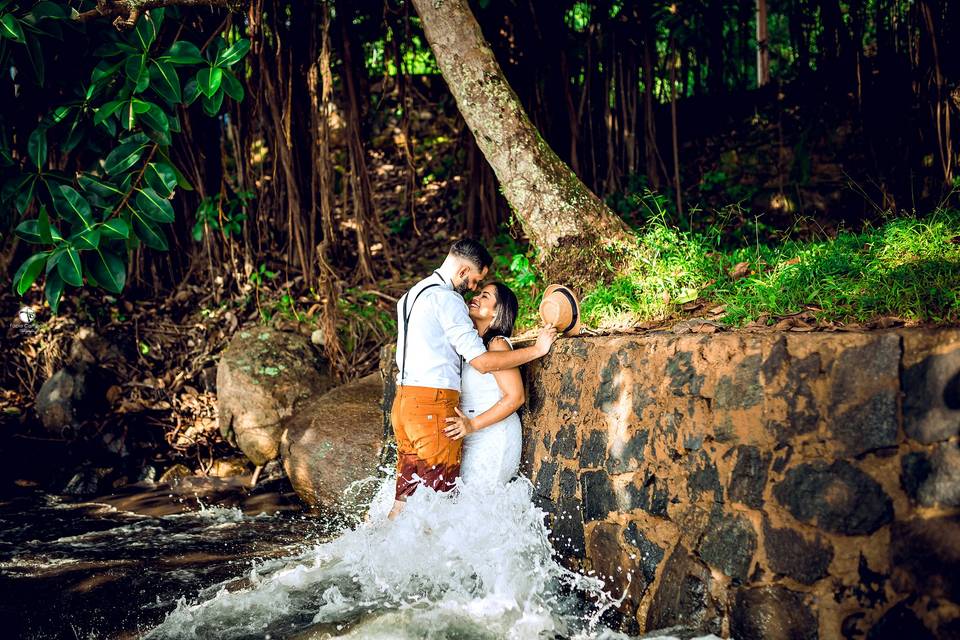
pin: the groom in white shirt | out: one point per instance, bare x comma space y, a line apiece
434, 333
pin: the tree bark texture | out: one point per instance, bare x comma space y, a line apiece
555, 208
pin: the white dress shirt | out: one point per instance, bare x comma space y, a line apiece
439, 332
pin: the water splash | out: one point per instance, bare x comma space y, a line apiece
478, 565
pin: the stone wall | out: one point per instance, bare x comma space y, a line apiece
766, 485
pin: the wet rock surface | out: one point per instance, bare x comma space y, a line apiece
334, 441
763, 485
263, 376
837, 497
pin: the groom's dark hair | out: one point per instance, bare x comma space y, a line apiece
471, 250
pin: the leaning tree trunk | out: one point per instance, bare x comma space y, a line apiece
565, 221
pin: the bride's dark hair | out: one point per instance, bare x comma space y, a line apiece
504, 316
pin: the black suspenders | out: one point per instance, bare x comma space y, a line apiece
406, 321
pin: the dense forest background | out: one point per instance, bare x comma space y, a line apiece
226, 161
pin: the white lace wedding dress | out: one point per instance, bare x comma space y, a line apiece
490, 455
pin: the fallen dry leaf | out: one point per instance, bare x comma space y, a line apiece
740, 270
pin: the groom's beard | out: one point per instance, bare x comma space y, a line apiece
462, 287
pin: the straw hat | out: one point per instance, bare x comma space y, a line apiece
559, 307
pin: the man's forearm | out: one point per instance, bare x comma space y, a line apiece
500, 360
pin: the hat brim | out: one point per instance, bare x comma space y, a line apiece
575, 329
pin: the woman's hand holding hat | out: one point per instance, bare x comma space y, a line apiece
545, 339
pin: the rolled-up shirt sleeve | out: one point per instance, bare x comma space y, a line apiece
458, 327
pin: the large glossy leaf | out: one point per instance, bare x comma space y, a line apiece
107, 110
115, 228
46, 9
37, 147
165, 81
73, 205
28, 230
27, 273
103, 189
149, 233
107, 269
134, 66
43, 226
123, 157
155, 118
183, 52
191, 91
153, 206
145, 33
25, 192
53, 290
161, 178
68, 266
232, 86
87, 239
232, 54
211, 105
209, 80
10, 28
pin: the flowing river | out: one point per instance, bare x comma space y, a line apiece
158, 565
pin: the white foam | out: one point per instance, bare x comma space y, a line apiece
479, 563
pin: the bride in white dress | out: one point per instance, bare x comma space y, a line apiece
488, 420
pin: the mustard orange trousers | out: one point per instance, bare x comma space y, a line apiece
424, 454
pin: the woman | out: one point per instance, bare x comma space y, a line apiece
488, 422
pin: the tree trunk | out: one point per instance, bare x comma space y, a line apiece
763, 51
565, 221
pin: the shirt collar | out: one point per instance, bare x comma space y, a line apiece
444, 281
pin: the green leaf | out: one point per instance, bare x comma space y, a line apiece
165, 81
232, 54
145, 33
53, 290
108, 270
10, 28
74, 205
183, 52
209, 80
46, 9
68, 266
161, 178
103, 189
153, 206
232, 86
211, 106
191, 92
28, 230
124, 157
156, 119
37, 147
149, 233
87, 239
43, 226
25, 193
27, 273
115, 228
61, 112
133, 67
107, 110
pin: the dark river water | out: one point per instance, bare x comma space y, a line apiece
210, 560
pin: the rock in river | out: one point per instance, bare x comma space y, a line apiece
334, 440
264, 374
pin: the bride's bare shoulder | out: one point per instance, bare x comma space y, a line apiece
499, 343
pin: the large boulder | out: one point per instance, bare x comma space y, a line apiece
334, 440
263, 375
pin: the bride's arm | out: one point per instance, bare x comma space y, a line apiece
511, 385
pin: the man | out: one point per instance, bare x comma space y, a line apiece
434, 333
